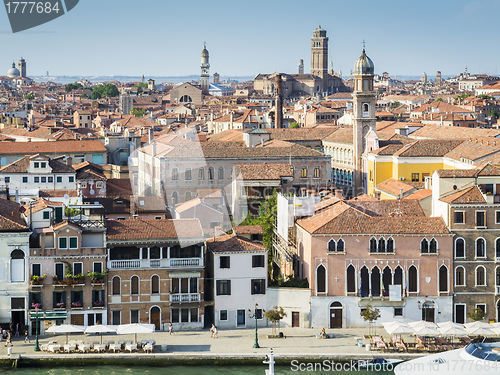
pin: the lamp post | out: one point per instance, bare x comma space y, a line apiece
37, 347
256, 344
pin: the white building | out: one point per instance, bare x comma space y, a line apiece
14, 273
237, 274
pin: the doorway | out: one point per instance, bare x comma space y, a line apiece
78, 319
155, 317
240, 318
336, 315
460, 313
428, 313
295, 319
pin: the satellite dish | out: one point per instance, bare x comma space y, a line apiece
66, 196
92, 192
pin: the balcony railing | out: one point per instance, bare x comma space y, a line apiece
156, 263
184, 297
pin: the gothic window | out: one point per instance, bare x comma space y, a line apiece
460, 276
480, 248
340, 246
375, 282
412, 279
443, 279
134, 285
373, 245
480, 276
424, 246
321, 279
381, 245
433, 247
331, 246
390, 245
351, 279
155, 284
460, 248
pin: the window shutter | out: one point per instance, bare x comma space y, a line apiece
229, 287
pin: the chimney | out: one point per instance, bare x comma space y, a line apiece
231, 117
262, 141
150, 135
338, 193
69, 161
132, 205
29, 139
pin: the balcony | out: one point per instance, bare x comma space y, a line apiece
156, 263
184, 298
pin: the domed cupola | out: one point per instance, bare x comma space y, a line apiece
364, 65
13, 72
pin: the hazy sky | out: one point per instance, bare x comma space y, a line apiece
165, 38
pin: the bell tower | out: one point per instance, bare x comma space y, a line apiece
364, 119
205, 71
319, 56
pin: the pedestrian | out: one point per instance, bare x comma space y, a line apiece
26, 337
17, 329
1, 334
170, 328
216, 335
212, 330
9, 340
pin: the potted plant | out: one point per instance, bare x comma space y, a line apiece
78, 279
37, 280
55, 280
69, 279
98, 303
97, 277
60, 305
36, 305
275, 316
76, 304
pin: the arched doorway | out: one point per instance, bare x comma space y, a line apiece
428, 311
336, 315
155, 317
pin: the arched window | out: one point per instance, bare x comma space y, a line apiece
398, 276
331, 245
134, 285
460, 276
340, 245
480, 276
443, 278
351, 279
220, 175
155, 284
386, 280
17, 266
175, 197
390, 245
365, 282
433, 247
497, 249
321, 279
412, 279
175, 174
459, 248
424, 246
375, 282
211, 173
116, 286
381, 245
497, 277
373, 245
188, 196
480, 248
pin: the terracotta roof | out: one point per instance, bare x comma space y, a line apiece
342, 135
118, 187
486, 170
149, 204
344, 219
40, 204
387, 207
327, 202
394, 187
453, 132
427, 147
51, 147
231, 243
65, 223
153, 229
263, 171
419, 194
10, 217
57, 193
22, 165
474, 149
248, 229
466, 196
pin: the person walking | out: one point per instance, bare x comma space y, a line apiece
170, 328
9, 339
17, 330
212, 331
26, 337
216, 332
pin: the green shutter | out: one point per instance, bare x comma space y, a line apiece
73, 242
63, 243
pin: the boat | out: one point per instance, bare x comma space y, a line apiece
476, 358
378, 364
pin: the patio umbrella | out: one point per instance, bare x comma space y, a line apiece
422, 324
393, 323
480, 331
451, 330
100, 328
427, 332
401, 329
449, 323
67, 329
496, 329
135, 328
477, 324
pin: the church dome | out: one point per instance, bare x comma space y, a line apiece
204, 53
13, 72
364, 65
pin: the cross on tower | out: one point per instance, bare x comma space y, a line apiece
364, 44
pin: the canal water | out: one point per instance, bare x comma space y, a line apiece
183, 370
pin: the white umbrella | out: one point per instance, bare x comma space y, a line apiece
480, 331
422, 324
427, 331
451, 330
450, 324
393, 323
477, 324
496, 329
135, 328
67, 329
401, 329
100, 328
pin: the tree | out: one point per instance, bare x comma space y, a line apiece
294, 125
476, 314
138, 112
275, 316
395, 104
462, 97
439, 100
141, 86
370, 315
84, 96
73, 86
29, 96
493, 113
104, 91
484, 96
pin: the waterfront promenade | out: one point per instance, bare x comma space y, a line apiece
231, 344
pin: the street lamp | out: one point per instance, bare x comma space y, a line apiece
37, 348
256, 344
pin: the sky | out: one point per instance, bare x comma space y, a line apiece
245, 38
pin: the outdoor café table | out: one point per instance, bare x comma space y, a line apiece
99, 347
84, 348
54, 348
131, 347
115, 347
69, 348
148, 347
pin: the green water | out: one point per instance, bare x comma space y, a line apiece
172, 370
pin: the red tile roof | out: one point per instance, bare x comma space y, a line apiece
154, 229
232, 243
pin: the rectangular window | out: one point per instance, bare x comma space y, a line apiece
76, 298
187, 175
25, 180
63, 242
459, 217
50, 179
36, 269
184, 315
223, 315
59, 300
59, 179
99, 184
303, 172
73, 242
43, 164
480, 218
43, 179
175, 174
258, 286
134, 316
497, 217
415, 177
98, 298
97, 267
116, 317
36, 164
223, 287
225, 262
71, 179
97, 159
83, 185
258, 261
194, 314
201, 174
317, 172
398, 311
481, 306
46, 215
77, 268
175, 316
36, 180
193, 285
